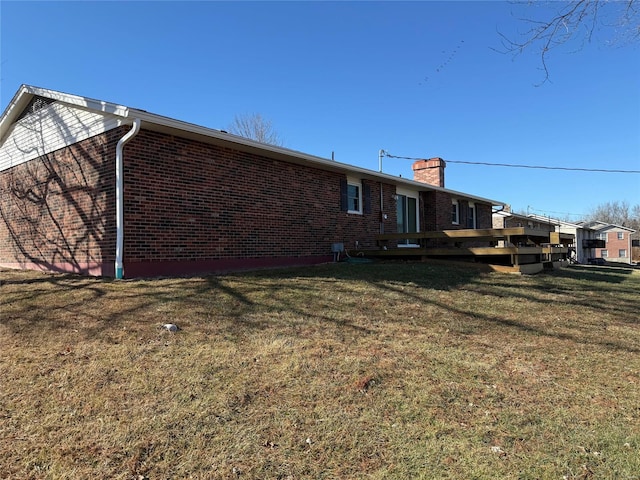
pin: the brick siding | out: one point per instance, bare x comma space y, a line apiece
190, 201
189, 207
429, 171
435, 207
58, 211
613, 247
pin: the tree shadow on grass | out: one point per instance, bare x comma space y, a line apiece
615, 275
337, 294
607, 291
424, 278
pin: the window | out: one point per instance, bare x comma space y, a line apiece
471, 216
455, 212
354, 198
622, 253
620, 235
604, 253
602, 236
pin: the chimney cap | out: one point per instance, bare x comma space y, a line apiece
429, 163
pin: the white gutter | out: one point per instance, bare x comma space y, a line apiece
120, 198
171, 123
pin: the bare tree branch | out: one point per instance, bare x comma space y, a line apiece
574, 21
617, 213
255, 127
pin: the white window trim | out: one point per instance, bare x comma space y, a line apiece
416, 196
354, 183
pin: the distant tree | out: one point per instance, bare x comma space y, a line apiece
575, 21
255, 127
617, 213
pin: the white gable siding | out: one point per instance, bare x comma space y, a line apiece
51, 128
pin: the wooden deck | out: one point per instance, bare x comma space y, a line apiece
513, 235
521, 249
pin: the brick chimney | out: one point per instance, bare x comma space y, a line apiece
430, 171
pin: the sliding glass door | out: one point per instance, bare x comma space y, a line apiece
407, 215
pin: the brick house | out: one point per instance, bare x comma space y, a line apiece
617, 241
97, 188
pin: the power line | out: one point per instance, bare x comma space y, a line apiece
512, 165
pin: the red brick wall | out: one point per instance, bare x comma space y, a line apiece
187, 201
57, 212
614, 245
484, 215
436, 212
189, 207
429, 171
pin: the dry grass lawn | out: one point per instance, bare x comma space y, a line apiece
377, 371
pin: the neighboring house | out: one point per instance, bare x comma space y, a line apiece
97, 188
507, 219
617, 241
585, 240
593, 240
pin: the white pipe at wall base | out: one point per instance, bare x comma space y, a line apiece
120, 197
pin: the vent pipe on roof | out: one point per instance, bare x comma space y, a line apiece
120, 197
381, 154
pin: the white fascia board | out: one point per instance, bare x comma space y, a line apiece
26, 92
502, 213
542, 218
621, 227
310, 159
598, 225
611, 226
13, 109
77, 100
12, 105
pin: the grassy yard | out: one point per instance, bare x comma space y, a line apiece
377, 371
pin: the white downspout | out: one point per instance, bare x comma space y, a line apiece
120, 197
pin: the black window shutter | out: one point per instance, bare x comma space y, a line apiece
366, 198
344, 199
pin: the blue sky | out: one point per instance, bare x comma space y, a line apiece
417, 79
